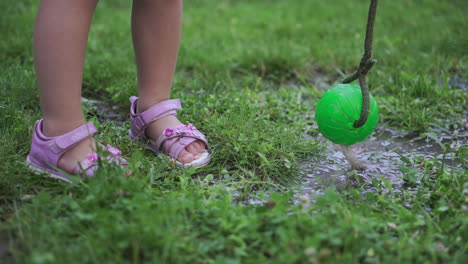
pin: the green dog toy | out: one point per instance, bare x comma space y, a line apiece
347, 114
337, 111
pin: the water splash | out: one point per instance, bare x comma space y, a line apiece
352, 159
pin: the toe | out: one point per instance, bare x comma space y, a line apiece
200, 146
196, 149
192, 148
185, 156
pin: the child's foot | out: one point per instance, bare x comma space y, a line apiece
163, 133
187, 155
73, 152
71, 158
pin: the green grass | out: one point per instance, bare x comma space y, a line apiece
247, 76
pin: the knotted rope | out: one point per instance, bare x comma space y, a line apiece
364, 66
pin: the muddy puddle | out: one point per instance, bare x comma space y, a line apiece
383, 155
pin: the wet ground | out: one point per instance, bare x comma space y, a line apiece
385, 154
459, 82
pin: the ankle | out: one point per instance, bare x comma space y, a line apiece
144, 103
54, 128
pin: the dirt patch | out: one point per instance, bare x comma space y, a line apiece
104, 111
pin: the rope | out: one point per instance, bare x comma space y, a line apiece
365, 66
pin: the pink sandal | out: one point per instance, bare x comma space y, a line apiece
177, 138
46, 152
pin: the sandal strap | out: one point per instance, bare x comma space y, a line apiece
177, 147
184, 135
66, 141
142, 120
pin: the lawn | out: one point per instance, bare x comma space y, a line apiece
249, 76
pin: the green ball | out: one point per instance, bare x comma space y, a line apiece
337, 111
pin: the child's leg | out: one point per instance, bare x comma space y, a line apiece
156, 26
60, 39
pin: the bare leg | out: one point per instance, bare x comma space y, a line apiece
156, 28
60, 38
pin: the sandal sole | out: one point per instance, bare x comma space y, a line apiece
42, 171
206, 155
